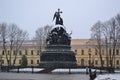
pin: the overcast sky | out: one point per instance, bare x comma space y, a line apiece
78, 15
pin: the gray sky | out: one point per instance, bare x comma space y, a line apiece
78, 15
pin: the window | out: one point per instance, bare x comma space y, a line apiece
117, 62
96, 62
82, 52
20, 52
37, 52
19, 61
37, 61
31, 61
117, 52
13, 60
75, 51
25, 52
3, 53
31, 52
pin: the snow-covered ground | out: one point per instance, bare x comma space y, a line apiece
73, 70
28, 69
99, 77
108, 77
114, 76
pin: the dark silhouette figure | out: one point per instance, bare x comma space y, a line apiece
59, 20
92, 75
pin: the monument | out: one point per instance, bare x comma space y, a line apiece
58, 49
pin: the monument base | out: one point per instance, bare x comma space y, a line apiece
57, 64
58, 56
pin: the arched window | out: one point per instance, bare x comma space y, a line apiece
82, 52
117, 51
3, 52
31, 52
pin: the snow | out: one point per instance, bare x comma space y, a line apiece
117, 71
108, 77
67, 70
73, 70
114, 76
59, 26
28, 69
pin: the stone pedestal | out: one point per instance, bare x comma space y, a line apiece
58, 56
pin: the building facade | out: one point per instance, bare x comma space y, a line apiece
86, 54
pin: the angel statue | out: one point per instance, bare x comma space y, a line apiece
59, 20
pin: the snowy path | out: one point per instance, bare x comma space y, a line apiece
108, 77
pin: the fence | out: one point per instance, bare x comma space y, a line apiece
41, 69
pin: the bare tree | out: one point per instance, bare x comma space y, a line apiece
118, 28
108, 34
97, 35
40, 37
20, 37
118, 19
3, 37
113, 30
12, 39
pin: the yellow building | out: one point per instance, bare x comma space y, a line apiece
27, 49
86, 50
85, 53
